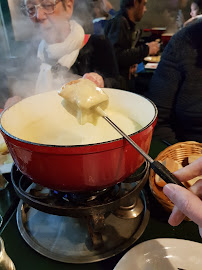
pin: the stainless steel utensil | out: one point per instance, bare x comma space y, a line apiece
159, 168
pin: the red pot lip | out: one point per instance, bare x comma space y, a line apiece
79, 146
155, 29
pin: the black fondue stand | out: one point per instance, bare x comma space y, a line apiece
24, 257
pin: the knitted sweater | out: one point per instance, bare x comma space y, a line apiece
176, 87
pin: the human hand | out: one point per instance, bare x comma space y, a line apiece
154, 47
187, 202
11, 101
107, 6
94, 77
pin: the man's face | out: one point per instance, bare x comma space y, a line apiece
53, 27
139, 9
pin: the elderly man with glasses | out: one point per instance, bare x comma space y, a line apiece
65, 50
51, 17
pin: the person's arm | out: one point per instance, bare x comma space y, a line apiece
128, 57
187, 202
112, 12
117, 32
108, 8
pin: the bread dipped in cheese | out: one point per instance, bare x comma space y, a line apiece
81, 97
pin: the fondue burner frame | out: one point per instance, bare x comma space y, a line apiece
100, 210
58, 203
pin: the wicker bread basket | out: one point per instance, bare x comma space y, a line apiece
178, 152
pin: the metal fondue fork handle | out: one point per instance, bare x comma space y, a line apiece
158, 168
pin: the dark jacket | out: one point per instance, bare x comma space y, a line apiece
124, 37
176, 87
98, 56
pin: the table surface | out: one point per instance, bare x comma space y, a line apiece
24, 257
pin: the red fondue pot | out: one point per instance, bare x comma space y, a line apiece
79, 167
157, 31
165, 38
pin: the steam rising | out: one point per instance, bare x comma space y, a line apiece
164, 14
19, 57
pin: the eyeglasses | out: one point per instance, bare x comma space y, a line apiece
48, 7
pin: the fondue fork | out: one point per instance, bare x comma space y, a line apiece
158, 168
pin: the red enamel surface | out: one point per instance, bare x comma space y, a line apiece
79, 168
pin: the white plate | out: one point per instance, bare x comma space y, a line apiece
159, 28
151, 66
4, 166
165, 253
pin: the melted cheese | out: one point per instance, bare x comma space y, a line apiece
81, 97
42, 119
67, 130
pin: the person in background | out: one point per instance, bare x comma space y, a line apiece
102, 9
65, 53
121, 31
65, 49
196, 11
176, 87
196, 8
187, 202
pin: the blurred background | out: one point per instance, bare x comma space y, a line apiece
16, 29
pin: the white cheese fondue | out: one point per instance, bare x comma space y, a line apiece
42, 119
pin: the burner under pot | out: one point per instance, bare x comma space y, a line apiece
88, 226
